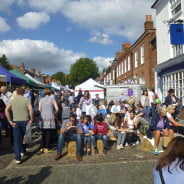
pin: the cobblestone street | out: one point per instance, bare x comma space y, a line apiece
130, 166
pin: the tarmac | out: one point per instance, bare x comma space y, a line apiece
129, 166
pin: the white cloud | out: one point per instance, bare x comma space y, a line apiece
115, 17
33, 20
101, 38
3, 25
4, 4
102, 62
39, 54
51, 6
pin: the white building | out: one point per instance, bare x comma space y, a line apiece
169, 73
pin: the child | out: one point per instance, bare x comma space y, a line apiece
88, 131
102, 110
100, 132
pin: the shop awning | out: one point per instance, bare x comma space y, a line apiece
21, 75
11, 78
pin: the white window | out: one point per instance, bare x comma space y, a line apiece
178, 50
125, 66
142, 80
113, 74
142, 55
129, 64
136, 59
175, 7
174, 80
122, 67
117, 71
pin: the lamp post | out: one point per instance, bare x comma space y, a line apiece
114, 63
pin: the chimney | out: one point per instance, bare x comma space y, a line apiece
33, 70
22, 66
148, 23
125, 46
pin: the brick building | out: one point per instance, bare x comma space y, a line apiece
135, 63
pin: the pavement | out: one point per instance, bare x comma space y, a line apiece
130, 166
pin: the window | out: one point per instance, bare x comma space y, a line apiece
175, 7
136, 59
122, 67
178, 50
142, 80
174, 80
129, 64
117, 70
142, 55
125, 66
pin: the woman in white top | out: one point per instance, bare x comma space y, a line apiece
170, 166
145, 101
116, 108
131, 123
174, 125
85, 103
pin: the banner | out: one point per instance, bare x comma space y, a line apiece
177, 34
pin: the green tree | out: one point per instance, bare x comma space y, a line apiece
58, 76
83, 69
4, 62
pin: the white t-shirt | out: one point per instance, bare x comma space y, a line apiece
115, 109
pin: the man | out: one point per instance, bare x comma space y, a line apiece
5, 95
22, 110
97, 100
71, 130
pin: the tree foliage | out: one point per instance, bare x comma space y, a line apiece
83, 69
58, 76
4, 62
61, 77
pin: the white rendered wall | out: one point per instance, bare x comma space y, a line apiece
163, 14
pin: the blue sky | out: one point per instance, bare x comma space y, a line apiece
50, 35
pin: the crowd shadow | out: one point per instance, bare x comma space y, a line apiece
31, 179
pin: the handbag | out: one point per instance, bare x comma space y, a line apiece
161, 176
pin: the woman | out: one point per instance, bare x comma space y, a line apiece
171, 164
120, 132
47, 105
116, 107
85, 103
159, 126
145, 101
171, 99
174, 125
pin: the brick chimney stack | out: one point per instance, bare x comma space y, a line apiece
126, 46
22, 66
148, 23
33, 70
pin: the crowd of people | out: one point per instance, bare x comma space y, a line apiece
85, 120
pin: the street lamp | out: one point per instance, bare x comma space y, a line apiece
114, 62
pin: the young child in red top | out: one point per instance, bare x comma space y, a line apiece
100, 132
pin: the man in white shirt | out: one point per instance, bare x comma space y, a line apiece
5, 94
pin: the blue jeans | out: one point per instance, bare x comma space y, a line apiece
18, 135
67, 138
96, 137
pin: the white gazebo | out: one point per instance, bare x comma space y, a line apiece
92, 86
